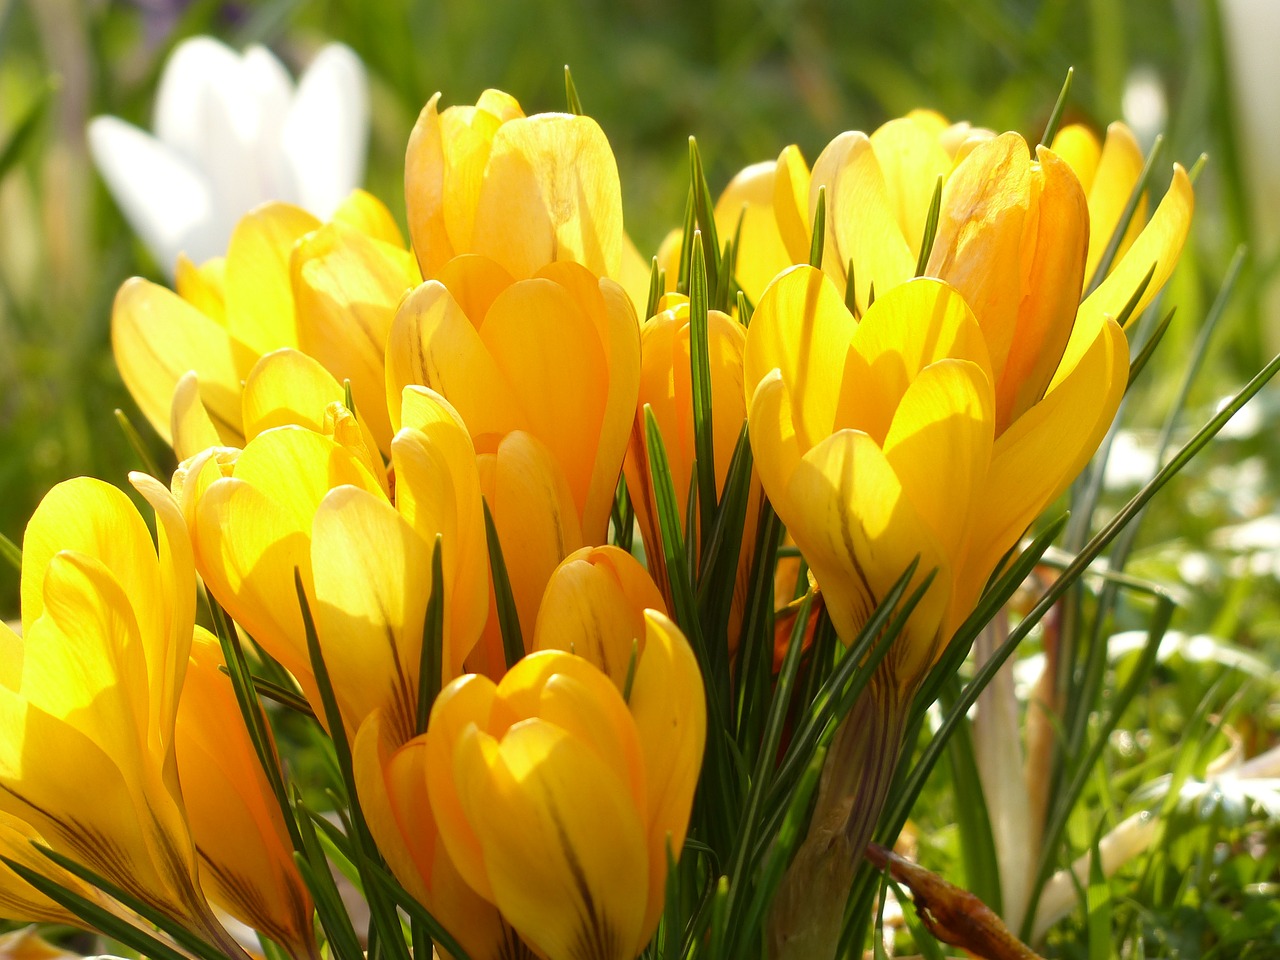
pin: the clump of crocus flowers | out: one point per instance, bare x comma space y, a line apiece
501, 526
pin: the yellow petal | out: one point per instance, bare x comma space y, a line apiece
848, 514
1039, 456
634, 275
346, 287
191, 426
424, 190
204, 287
287, 387
791, 203
910, 159
438, 492
537, 524
1159, 244
259, 300
669, 707
1079, 148
939, 446
551, 192
1119, 168
369, 570
745, 210
469, 701
363, 211
564, 847
911, 326
156, 337
774, 443
802, 328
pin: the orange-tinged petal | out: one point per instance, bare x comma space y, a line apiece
1058, 237
594, 607
424, 190
156, 337
634, 274
801, 327
537, 524
565, 849
548, 350
190, 425
939, 446
433, 343
668, 704
774, 442
246, 857
551, 192
346, 288
474, 282
467, 702
260, 314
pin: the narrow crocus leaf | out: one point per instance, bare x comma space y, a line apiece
700, 374
134, 439
97, 917
416, 911
310, 858
572, 101
1130, 209
819, 236
508, 616
930, 234
430, 670
1139, 362
11, 552
703, 208
655, 289
27, 124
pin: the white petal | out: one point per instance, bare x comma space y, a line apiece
166, 201
327, 130
194, 67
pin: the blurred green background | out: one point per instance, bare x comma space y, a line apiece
746, 76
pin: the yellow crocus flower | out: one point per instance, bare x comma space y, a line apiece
296, 498
557, 800
523, 191
666, 388
287, 280
556, 356
107, 622
246, 857
876, 441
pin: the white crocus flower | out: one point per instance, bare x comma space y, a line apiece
232, 132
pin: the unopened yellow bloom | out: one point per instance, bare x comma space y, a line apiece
246, 857
558, 801
594, 606
298, 499
287, 280
666, 388
876, 442
523, 191
91, 690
